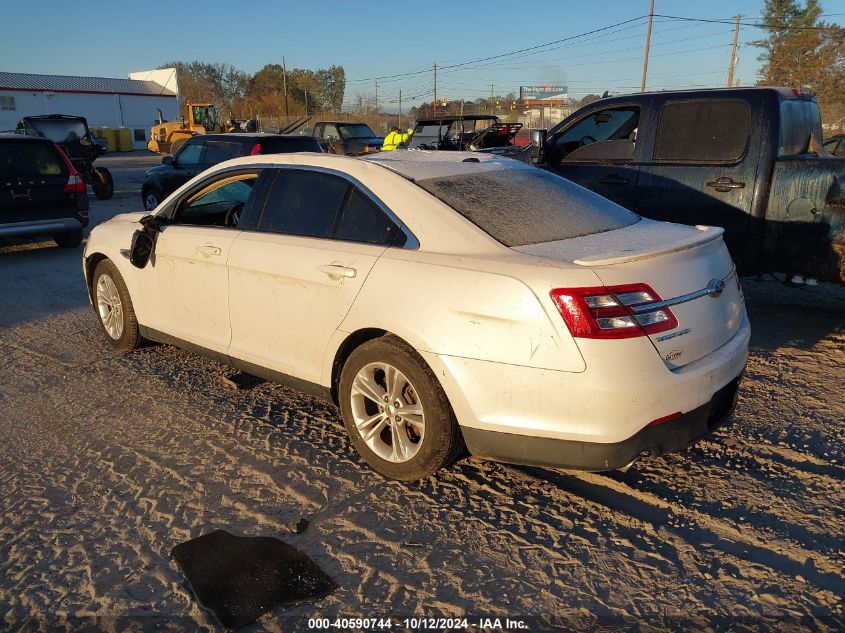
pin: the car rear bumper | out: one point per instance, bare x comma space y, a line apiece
651, 441
42, 227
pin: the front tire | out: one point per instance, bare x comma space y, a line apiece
151, 197
395, 411
113, 307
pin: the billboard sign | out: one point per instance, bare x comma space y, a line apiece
542, 92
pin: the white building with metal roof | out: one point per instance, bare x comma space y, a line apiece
104, 101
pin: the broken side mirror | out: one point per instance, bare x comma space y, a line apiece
142, 248
538, 143
167, 160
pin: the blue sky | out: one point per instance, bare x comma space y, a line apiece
378, 39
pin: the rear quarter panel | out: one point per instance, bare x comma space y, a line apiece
447, 306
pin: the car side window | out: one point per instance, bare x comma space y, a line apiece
361, 220
218, 151
610, 134
303, 202
703, 130
190, 154
219, 203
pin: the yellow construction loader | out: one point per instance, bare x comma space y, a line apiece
166, 137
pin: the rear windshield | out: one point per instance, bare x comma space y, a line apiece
356, 130
528, 206
62, 130
285, 145
29, 159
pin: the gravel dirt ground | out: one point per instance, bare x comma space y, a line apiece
107, 461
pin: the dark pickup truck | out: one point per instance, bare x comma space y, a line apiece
346, 137
747, 159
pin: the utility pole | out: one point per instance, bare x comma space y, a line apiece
647, 44
285, 82
376, 96
491, 98
400, 110
434, 103
306, 103
732, 65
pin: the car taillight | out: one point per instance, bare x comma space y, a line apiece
74, 183
613, 311
256, 149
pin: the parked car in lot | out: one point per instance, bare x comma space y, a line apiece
41, 193
201, 152
467, 132
73, 135
347, 137
438, 298
746, 159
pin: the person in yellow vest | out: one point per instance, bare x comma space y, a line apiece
392, 140
406, 137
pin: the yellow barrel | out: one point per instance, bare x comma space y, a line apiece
124, 139
108, 134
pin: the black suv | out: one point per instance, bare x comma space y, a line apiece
41, 193
201, 152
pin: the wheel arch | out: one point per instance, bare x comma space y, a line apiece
91, 262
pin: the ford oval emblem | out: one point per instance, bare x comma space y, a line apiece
715, 287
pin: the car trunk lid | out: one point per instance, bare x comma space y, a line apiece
688, 267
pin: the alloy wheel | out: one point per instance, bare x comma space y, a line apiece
387, 412
109, 306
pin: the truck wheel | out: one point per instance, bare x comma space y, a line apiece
396, 412
69, 239
103, 184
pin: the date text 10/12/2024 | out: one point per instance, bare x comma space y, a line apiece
418, 624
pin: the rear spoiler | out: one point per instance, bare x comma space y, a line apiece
707, 234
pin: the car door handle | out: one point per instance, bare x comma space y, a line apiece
613, 179
725, 184
338, 271
208, 250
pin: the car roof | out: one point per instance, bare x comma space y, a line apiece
241, 136
466, 117
27, 138
343, 123
421, 164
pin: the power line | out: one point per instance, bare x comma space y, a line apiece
758, 25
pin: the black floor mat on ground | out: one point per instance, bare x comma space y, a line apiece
240, 578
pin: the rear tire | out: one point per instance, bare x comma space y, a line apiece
70, 239
103, 184
413, 433
113, 307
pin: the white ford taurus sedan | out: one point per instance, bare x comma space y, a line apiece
442, 300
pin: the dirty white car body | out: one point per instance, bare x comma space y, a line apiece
528, 371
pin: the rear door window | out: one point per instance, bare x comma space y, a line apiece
703, 131
303, 202
293, 144
30, 160
218, 151
528, 206
361, 220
